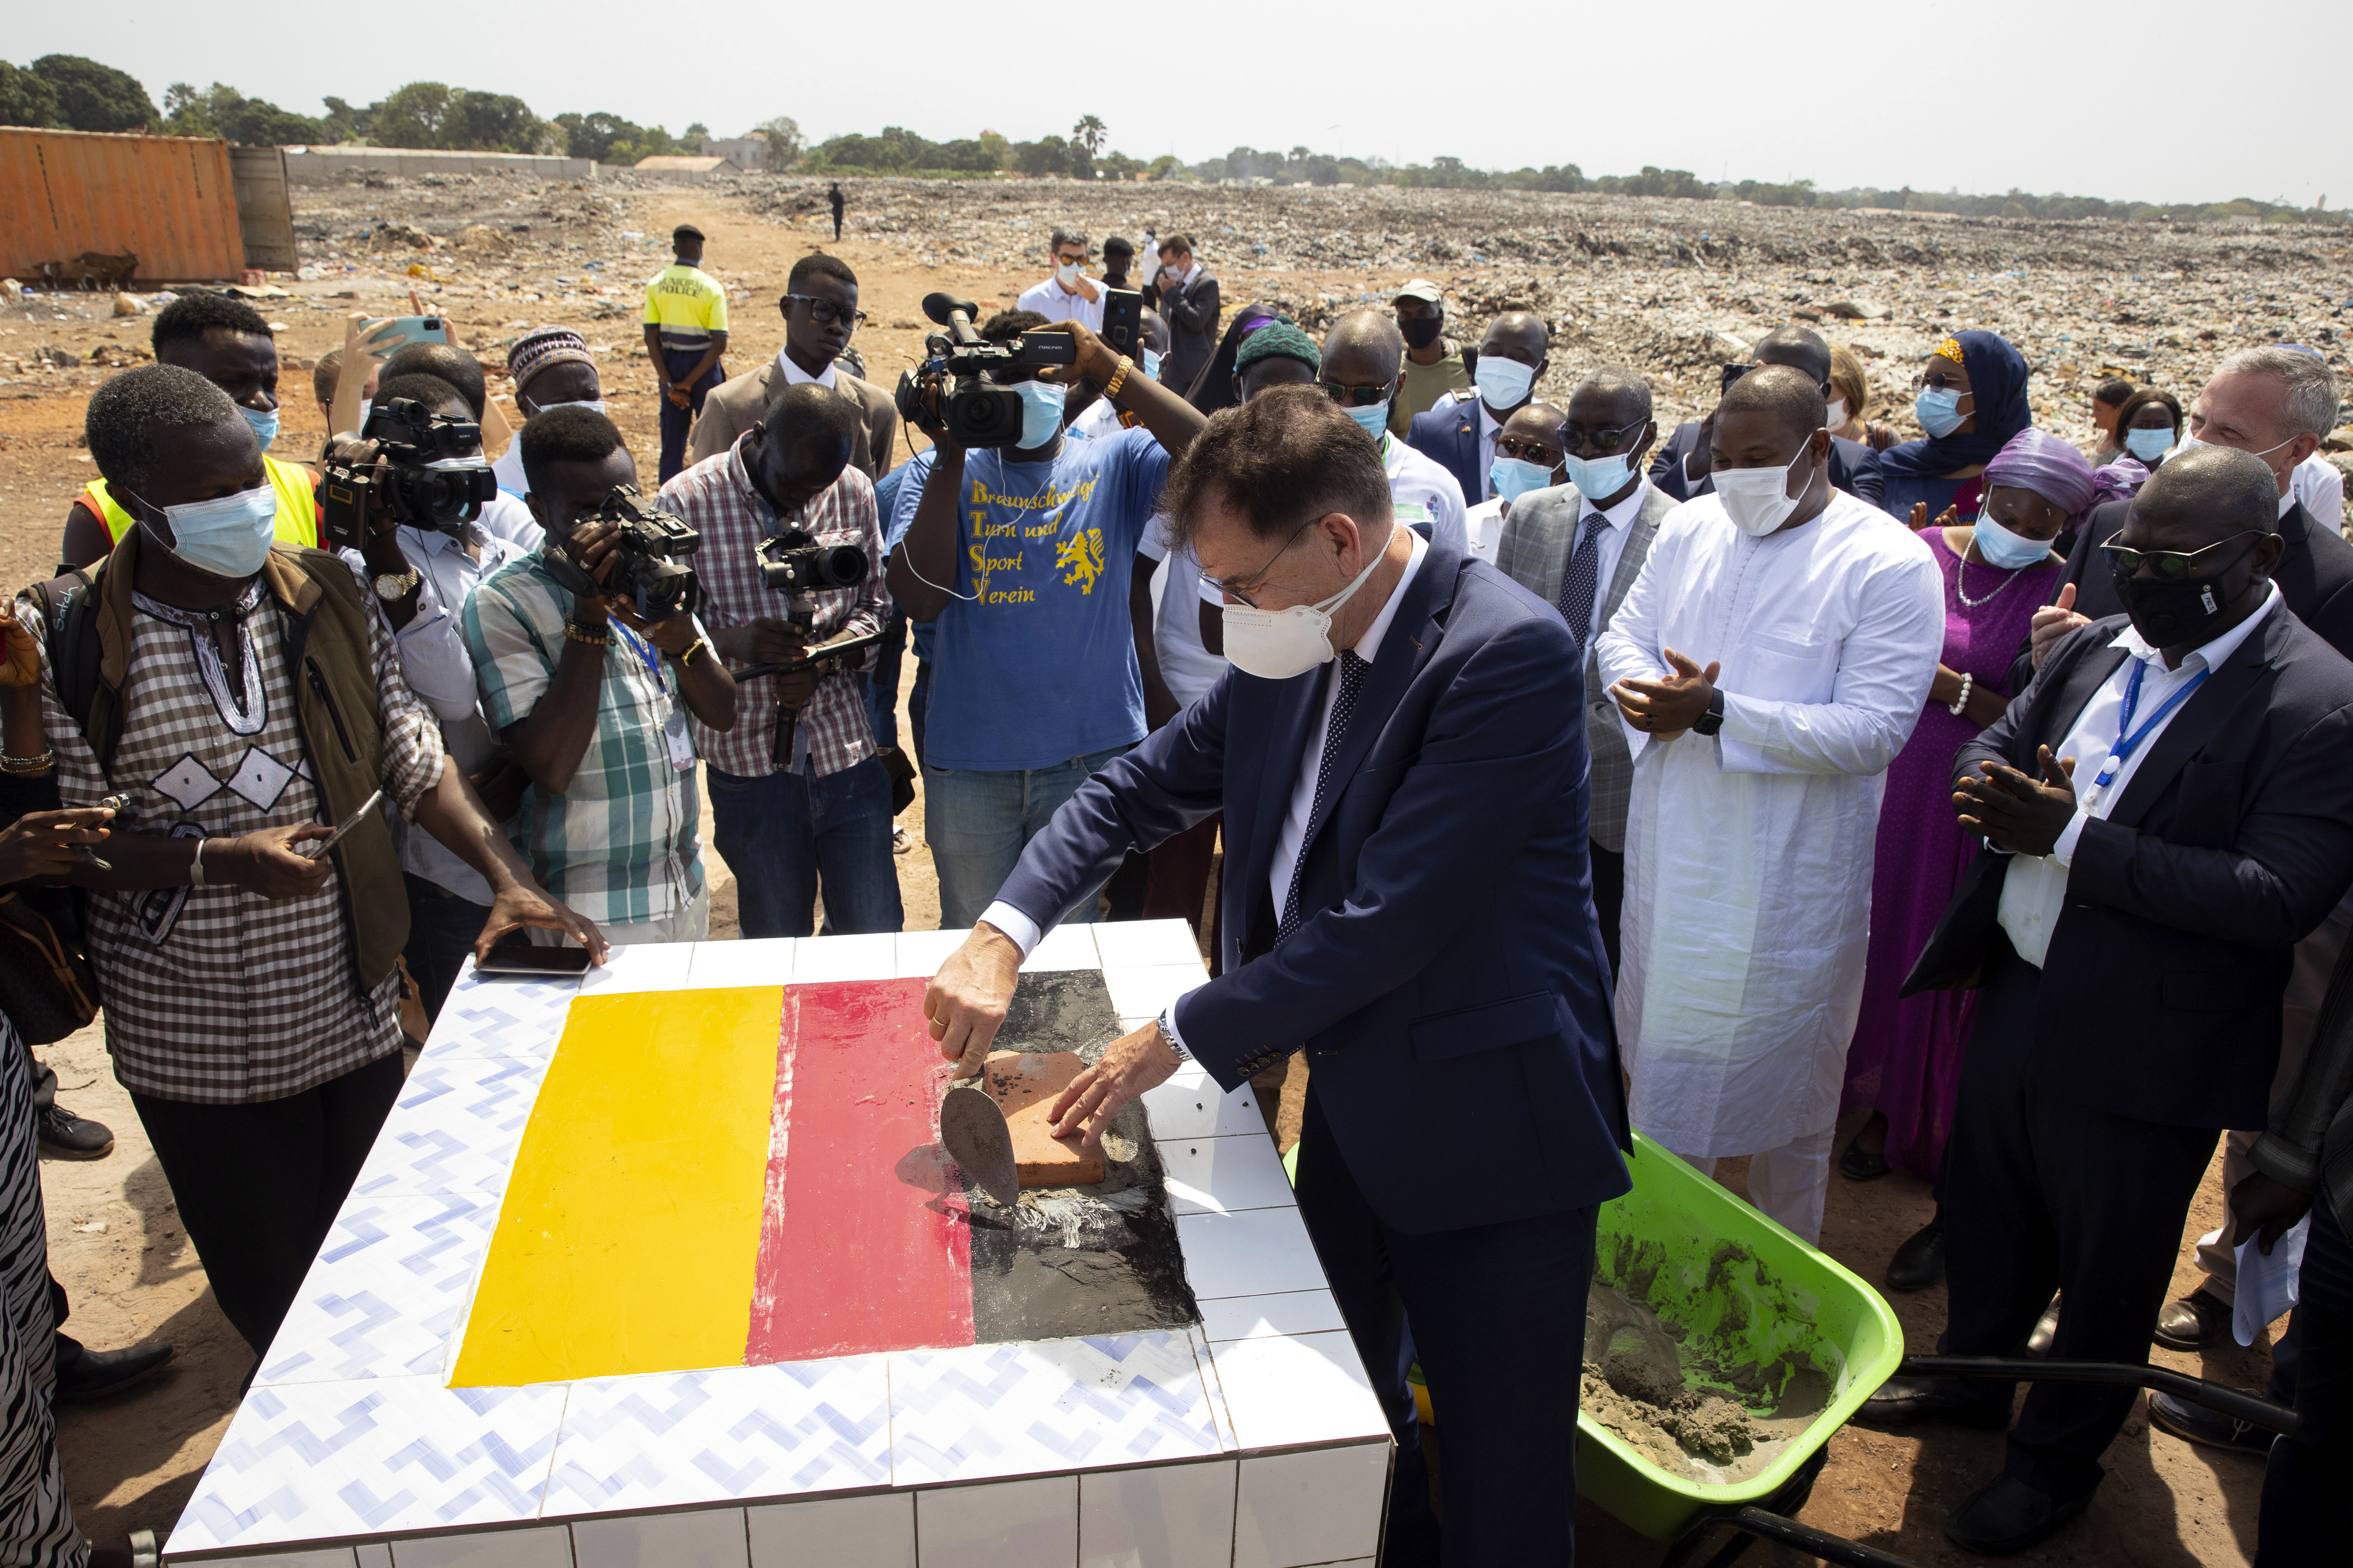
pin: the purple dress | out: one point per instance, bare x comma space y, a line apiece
1906, 1061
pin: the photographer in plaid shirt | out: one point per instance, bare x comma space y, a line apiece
823, 819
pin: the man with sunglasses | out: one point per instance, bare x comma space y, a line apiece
1580, 546
1363, 370
1066, 294
820, 311
2169, 809
1402, 772
1680, 467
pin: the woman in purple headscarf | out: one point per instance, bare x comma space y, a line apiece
1906, 1061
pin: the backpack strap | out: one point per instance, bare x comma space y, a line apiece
70, 606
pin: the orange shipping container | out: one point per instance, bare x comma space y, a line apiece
169, 200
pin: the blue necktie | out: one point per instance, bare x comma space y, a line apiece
1582, 579
1344, 708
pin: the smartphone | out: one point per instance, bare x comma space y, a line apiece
411, 330
521, 958
318, 846
1123, 324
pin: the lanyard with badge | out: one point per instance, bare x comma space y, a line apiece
674, 730
2129, 740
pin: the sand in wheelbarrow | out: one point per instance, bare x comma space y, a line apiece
1683, 1410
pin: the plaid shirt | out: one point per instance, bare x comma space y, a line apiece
621, 844
716, 499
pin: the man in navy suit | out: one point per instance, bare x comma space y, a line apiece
1408, 901
1460, 432
1681, 468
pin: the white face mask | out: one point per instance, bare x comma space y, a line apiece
1836, 419
596, 404
1759, 500
228, 536
1068, 272
1275, 645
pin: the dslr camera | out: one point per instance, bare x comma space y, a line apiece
794, 564
646, 557
404, 481
959, 369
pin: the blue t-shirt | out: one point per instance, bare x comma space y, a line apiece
1033, 661
911, 473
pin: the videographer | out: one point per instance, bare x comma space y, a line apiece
422, 567
591, 691
1023, 555
240, 699
809, 812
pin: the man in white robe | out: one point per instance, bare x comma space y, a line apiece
1769, 663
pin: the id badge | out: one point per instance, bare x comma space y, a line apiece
681, 742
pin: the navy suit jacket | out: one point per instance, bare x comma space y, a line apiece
1854, 467
1448, 435
1448, 978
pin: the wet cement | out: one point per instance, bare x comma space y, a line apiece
1101, 1258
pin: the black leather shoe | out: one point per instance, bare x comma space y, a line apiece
1906, 1401
2197, 1321
2046, 1331
1920, 1261
2195, 1423
66, 1136
1859, 1164
2008, 1516
98, 1374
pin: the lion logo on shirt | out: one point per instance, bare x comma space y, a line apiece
1083, 552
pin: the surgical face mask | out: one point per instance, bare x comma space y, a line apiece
594, 404
1041, 412
2011, 551
228, 536
1152, 358
1596, 478
1419, 331
2189, 442
1836, 418
2148, 444
1375, 419
265, 426
1275, 645
1068, 272
1938, 409
1759, 500
1515, 477
1502, 383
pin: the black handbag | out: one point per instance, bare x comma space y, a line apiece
46, 987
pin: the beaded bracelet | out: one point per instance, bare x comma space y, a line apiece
593, 640
39, 765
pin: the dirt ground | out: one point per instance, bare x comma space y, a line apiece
116, 1245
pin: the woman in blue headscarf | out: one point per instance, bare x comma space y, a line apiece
1971, 399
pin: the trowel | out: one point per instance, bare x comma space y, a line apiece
973, 1132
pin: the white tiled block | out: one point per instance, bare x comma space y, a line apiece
501, 1016
391, 1456
1257, 1252
1319, 1506
874, 956
1126, 943
384, 1292
1004, 1524
709, 1540
765, 961
1164, 1516
1308, 1388
330, 1557
454, 1129
1191, 1105
547, 1546
921, 952
1142, 991
641, 966
1268, 1317
873, 1532
1066, 947
1219, 1175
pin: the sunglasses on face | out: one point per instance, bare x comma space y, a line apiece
1535, 452
1936, 380
825, 313
2171, 565
1601, 440
1354, 396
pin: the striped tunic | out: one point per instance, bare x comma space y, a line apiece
37, 1525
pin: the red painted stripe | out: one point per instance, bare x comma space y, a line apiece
864, 1245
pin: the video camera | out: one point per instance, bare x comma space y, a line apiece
974, 410
411, 440
792, 563
646, 555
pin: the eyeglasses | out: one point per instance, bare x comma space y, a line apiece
1940, 382
825, 313
2172, 565
1602, 441
1536, 452
1253, 578
1354, 396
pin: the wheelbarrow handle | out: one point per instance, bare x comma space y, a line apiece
1807, 1538
2252, 1409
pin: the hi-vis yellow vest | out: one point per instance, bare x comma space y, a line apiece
297, 513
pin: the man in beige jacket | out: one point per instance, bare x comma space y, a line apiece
821, 310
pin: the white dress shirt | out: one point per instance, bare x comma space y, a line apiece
1056, 303
1618, 526
2320, 486
2035, 890
1484, 525
795, 375
1026, 932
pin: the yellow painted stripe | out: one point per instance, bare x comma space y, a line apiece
631, 1226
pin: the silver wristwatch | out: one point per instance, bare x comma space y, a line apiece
1166, 1025
391, 589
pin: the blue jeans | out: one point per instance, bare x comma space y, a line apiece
787, 835
978, 823
442, 930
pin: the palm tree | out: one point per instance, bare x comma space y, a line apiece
1090, 133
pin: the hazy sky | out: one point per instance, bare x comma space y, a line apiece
2159, 100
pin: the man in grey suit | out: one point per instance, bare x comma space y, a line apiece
1580, 546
